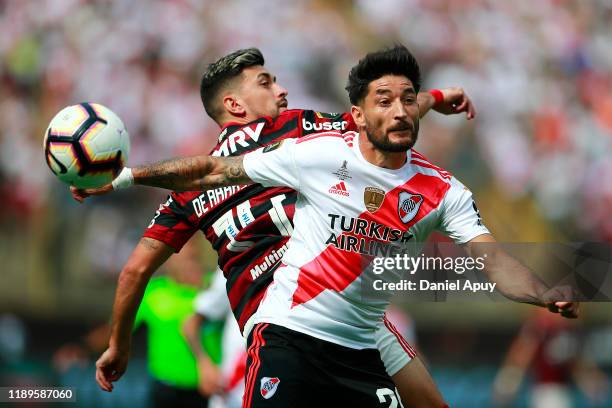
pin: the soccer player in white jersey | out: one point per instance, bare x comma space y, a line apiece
312, 340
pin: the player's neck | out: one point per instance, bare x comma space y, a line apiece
236, 120
387, 160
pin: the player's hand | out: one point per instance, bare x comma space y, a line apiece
455, 101
559, 300
570, 310
210, 378
80, 194
110, 367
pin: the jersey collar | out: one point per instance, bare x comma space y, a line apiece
357, 152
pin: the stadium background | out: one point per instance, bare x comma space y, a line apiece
538, 157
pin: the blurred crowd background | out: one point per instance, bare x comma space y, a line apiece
538, 156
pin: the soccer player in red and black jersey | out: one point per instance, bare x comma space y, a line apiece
248, 226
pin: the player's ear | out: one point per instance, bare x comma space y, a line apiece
358, 116
232, 105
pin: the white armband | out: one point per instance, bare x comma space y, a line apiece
125, 179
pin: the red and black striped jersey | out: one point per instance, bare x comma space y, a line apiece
248, 226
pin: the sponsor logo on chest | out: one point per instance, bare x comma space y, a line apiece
317, 127
246, 137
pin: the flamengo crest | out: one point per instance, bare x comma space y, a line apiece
408, 206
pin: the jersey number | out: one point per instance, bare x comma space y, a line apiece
386, 395
158, 212
227, 224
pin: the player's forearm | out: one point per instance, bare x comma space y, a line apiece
426, 101
146, 258
513, 279
192, 173
130, 290
182, 174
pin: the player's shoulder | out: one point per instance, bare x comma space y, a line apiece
292, 113
421, 164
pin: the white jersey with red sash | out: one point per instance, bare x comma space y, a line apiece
348, 212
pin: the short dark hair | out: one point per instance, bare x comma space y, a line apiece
395, 61
221, 72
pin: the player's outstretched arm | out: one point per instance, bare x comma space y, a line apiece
148, 255
515, 281
192, 173
183, 174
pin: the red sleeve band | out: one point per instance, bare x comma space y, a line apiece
438, 96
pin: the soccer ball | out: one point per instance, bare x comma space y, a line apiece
86, 145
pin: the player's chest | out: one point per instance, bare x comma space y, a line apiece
354, 192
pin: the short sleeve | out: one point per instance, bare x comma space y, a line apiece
395, 352
274, 165
213, 303
460, 218
170, 224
